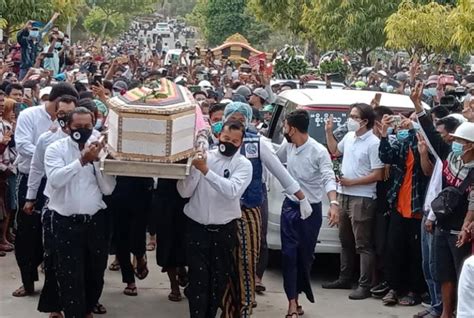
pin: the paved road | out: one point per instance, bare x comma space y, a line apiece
153, 291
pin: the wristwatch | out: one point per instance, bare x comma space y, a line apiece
334, 202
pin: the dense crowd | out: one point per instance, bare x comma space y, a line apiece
402, 199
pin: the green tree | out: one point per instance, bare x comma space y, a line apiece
421, 29
177, 8
462, 20
115, 12
94, 24
281, 14
356, 25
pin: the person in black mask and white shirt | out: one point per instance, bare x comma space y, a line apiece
80, 226
216, 183
32, 123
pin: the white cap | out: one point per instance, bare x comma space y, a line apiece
465, 131
45, 91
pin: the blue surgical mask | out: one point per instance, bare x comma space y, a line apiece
34, 34
430, 92
217, 127
98, 124
416, 125
402, 134
457, 148
58, 46
389, 130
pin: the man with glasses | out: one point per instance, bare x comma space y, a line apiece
361, 169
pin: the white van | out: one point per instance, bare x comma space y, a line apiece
320, 103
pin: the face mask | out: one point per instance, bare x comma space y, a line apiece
115, 93
389, 130
217, 127
457, 148
227, 149
353, 125
81, 135
416, 125
34, 33
383, 86
62, 121
402, 134
98, 124
407, 91
430, 92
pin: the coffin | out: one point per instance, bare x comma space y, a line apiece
152, 124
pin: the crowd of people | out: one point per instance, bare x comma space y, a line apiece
402, 199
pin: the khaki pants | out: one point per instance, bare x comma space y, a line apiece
356, 232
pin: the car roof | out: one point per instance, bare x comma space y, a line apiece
326, 97
323, 83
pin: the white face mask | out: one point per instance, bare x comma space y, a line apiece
353, 125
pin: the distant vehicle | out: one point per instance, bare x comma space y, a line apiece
162, 27
322, 85
320, 103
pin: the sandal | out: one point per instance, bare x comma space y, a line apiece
56, 315
115, 266
3, 254
130, 291
151, 246
99, 309
6, 247
292, 315
175, 296
183, 280
391, 298
411, 299
22, 292
142, 270
260, 288
300, 310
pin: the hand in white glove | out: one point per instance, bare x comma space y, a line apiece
305, 209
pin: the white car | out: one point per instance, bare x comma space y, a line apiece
320, 103
322, 85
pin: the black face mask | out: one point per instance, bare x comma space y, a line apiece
62, 121
227, 149
287, 137
81, 135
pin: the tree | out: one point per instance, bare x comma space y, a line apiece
421, 29
349, 24
461, 19
177, 8
115, 12
281, 14
94, 24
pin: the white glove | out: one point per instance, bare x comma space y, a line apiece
305, 209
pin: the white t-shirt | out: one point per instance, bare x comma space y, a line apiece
360, 158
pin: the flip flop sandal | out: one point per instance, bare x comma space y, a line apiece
21, 292
99, 309
292, 315
300, 310
390, 299
130, 291
142, 270
151, 246
409, 300
114, 267
6, 247
260, 288
175, 297
3, 254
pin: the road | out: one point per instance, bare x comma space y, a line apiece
153, 291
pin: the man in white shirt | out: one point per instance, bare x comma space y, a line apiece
49, 298
309, 163
215, 186
466, 290
361, 169
79, 224
32, 122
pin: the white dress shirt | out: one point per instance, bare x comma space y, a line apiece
215, 197
37, 163
466, 290
311, 165
360, 158
74, 189
32, 122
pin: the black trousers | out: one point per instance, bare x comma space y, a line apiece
404, 263
263, 259
49, 298
80, 258
28, 241
209, 253
130, 205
